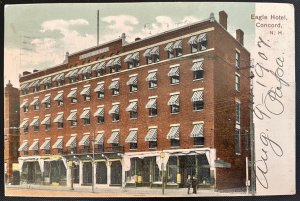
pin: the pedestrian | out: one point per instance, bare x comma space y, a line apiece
188, 184
194, 184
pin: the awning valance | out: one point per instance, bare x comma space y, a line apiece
154, 51
34, 146
136, 56
117, 62
197, 96
24, 104
86, 91
72, 94
151, 76
174, 72
35, 102
99, 88
193, 40
178, 44
59, 118
132, 107
128, 58
114, 138
147, 52
132, 81
58, 144
151, 135
35, 122
197, 131
173, 133
24, 124
197, 66
99, 138
72, 116
114, 110
174, 100
202, 37
46, 121
72, 142
151, 103
114, 85
45, 145
132, 137
169, 47
24, 146
85, 114
59, 97
85, 141
99, 112
47, 99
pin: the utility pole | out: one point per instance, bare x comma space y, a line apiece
93, 163
97, 27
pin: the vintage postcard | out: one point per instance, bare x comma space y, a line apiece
174, 99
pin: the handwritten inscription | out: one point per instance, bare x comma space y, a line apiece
271, 104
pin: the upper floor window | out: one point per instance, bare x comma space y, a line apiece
25, 125
35, 104
24, 88
237, 141
197, 99
173, 136
238, 112
72, 75
151, 137
99, 68
25, 105
174, 103
59, 98
86, 93
73, 95
132, 139
59, 119
132, 109
237, 82
197, 134
73, 118
47, 101
114, 65
151, 106
197, 69
114, 87
115, 112
132, 83
174, 49
35, 124
59, 79
100, 90
152, 55
46, 122
174, 75
99, 114
198, 43
132, 60
85, 116
152, 79
237, 59
46, 82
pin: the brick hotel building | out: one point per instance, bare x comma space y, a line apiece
107, 113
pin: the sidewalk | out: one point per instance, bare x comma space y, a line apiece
136, 192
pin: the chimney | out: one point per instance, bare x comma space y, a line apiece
123, 37
66, 58
34, 71
136, 39
240, 36
223, 19
8, 84
26, 73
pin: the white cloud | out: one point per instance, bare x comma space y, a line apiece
62, 25
122, 23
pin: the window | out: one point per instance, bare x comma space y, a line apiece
73, 95
86, 76
73, 123
86, 149
174, 75
36, 127
237, 59
47, 85
36, 89
197, 134
151, 137
60, 151
173, 136
115, 117
60, 124
100, 95
59, 98
47, 151
132, 60
25, 153
152, 79
25, 108
36, 152
152, 55
132, 83
100, 119
152, 144
99, 90
198, 140
198, 43
114, 87
151, 105
114, 64
133, 145
47, 127
237, 141
174, 103
197, 98
86, 93
85, 116
174, 143
133, 114
47, 105
100, 72
72, 79
73, 100
47, 101
26, 129
197, 69
60, 103
237, 82
36, 107
87, 121
174, 49
60, 82
115, 112
238, 112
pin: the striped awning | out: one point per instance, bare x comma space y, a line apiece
202, 37
99, 88
99, 66
151, 77
87, 70
132, 81
59, 97
197, 96
47, 99
114, 138
114, 110
72, 116
174, 100
46, 80
151, 135
85, 141
114, 85
85, 114
132, 137
193, 40
86, 91
110, 63
174, 72
81, 70
72, 94
147, 52
34, 83
136, 56
34, 146
59, 118
197, 131
132, 107
35, 101
117, 62
24, 124
74, 73
173, 133
169, 47
178, 44
151, 103
197, 66
45, 145
99, 112
35, 122
72, 142
24, 86
58, 144
155, 51
68, 75
59, 77
128, 58
24, 146
46, 120
24, 104
99, 138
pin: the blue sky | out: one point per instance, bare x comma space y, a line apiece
38, 35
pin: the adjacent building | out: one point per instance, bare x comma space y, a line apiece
11, 131
120, 113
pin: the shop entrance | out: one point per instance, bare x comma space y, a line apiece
101, 173
87, 173
31, 172
187, 166
116, 173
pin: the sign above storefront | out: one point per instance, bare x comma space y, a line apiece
90, 54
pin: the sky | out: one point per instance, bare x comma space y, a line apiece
37, 36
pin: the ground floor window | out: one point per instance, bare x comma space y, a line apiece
101, 173
87, 173
31, 173
116, 173
172, 170
54, 172
156, 174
